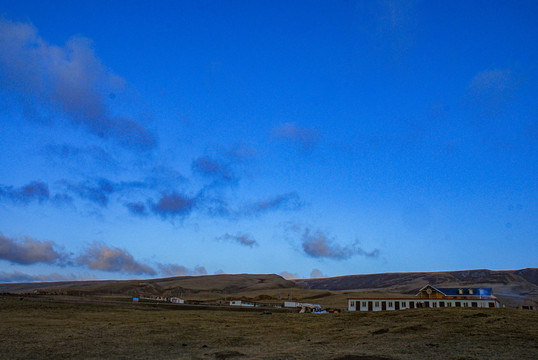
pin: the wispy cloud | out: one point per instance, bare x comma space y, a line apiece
492, 89
68, 79
495, 80
35, 191
137, 208
242, 239
289, 276
97, 193
320, 245
316, 273
163, 177
488, 96
17, 276
80, 155
214, 169
240, 153
217, 206
307, 138
30, 251
99, 256
173, 204
288, 201
180, 270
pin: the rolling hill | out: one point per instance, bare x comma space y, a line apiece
513, 287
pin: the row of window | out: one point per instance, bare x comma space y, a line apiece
404, 304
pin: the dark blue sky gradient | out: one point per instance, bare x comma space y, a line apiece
142, 140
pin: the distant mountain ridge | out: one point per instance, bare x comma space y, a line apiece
512, 287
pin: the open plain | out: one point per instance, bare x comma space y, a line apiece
48, 327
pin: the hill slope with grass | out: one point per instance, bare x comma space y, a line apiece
511, 286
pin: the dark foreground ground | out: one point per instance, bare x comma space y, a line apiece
37, 329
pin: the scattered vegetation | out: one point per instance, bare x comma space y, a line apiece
36, 327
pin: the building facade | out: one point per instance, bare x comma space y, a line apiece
429, 297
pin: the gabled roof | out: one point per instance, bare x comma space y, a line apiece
431, 286
478, 292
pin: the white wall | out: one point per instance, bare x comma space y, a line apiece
362, 304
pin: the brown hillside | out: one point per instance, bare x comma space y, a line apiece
511, 286
173, 286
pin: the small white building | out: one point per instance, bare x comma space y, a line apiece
241, 303
304, 306
177, 300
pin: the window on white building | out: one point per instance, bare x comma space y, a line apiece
376, 304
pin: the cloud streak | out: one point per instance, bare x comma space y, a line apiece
98, 194
69, 80
242, 239
30, 251
173, 204
34, 191
137, 208
307, 138
17, 276
80, 155
214, 169
180, 270
319, 245
99, 256
287, 201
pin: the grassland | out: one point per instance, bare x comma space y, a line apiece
38, 328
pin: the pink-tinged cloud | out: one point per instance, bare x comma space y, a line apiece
107, 258
316, 273
30, 251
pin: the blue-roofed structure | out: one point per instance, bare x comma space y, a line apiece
430, 291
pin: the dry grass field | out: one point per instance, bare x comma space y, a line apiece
38, 328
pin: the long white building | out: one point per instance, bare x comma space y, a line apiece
428, 297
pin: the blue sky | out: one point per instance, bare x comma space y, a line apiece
305, 138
